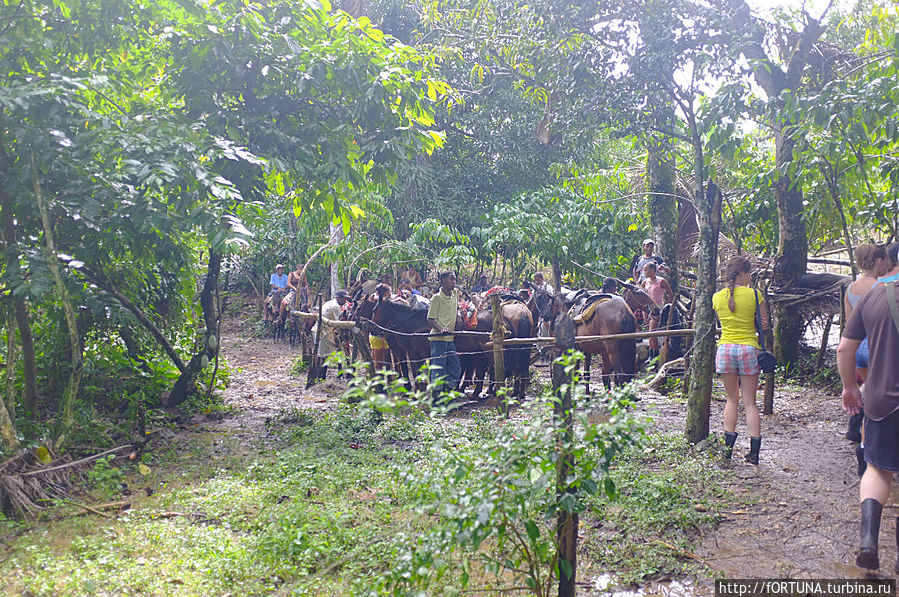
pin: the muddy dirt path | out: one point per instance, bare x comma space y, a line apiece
802, 521
802, 517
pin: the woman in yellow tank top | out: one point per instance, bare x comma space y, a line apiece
737, 357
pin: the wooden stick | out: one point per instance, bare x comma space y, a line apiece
86, 507
663, 372
499, 370
829, 261
77, 462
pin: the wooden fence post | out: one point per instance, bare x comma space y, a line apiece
499, 336
314, 362
566, 522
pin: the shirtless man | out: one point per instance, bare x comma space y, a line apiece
295, 286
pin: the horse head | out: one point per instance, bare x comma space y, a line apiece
548, 306
637, 299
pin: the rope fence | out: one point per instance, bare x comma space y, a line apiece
353, 325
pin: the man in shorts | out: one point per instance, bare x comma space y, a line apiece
873, 318
278, 283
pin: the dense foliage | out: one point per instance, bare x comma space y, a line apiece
175, 146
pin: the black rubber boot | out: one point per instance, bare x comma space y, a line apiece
755, 443
730, 438
896, 565
854, 433
322, 373
860, 456
870, 531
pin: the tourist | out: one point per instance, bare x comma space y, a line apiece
278, 285
737, 357
872, 319
874, 262
660, 292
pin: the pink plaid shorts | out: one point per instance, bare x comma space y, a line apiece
737, 358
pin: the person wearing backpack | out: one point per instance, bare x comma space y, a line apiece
875, 317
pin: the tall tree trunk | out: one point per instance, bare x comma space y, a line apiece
10, 393
792, 248
29, 360
67, 404
8, 433
557, 272
187, 381
702, 365
663, 212
777, 77
336, 235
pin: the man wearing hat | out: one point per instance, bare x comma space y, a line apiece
278, 283
649, 246
327, 344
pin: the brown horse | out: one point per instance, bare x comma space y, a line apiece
610, 315
518, 323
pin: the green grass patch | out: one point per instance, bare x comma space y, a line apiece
668, 495
325, 512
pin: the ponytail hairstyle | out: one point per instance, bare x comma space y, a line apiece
735, 266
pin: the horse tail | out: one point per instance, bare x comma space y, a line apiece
521, 355
627, 349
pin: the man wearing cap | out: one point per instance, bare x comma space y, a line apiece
649, 246
327, 344
278, 283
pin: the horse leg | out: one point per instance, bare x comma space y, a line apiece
606, 368
480, 374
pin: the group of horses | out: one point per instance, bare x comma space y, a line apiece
404, 324
284, 325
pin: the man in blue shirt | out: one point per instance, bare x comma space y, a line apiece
278, 283
278, 280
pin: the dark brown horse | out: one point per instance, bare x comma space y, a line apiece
601, 315
395, 321
518, 323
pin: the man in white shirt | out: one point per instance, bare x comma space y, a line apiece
543, 285
327, 343
278, 283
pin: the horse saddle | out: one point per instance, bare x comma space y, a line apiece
575, 296
585, 308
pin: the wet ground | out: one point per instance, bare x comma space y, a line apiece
802, 517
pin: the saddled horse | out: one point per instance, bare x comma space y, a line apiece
599, 314
518, 323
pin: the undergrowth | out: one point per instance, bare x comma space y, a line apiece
324, 513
